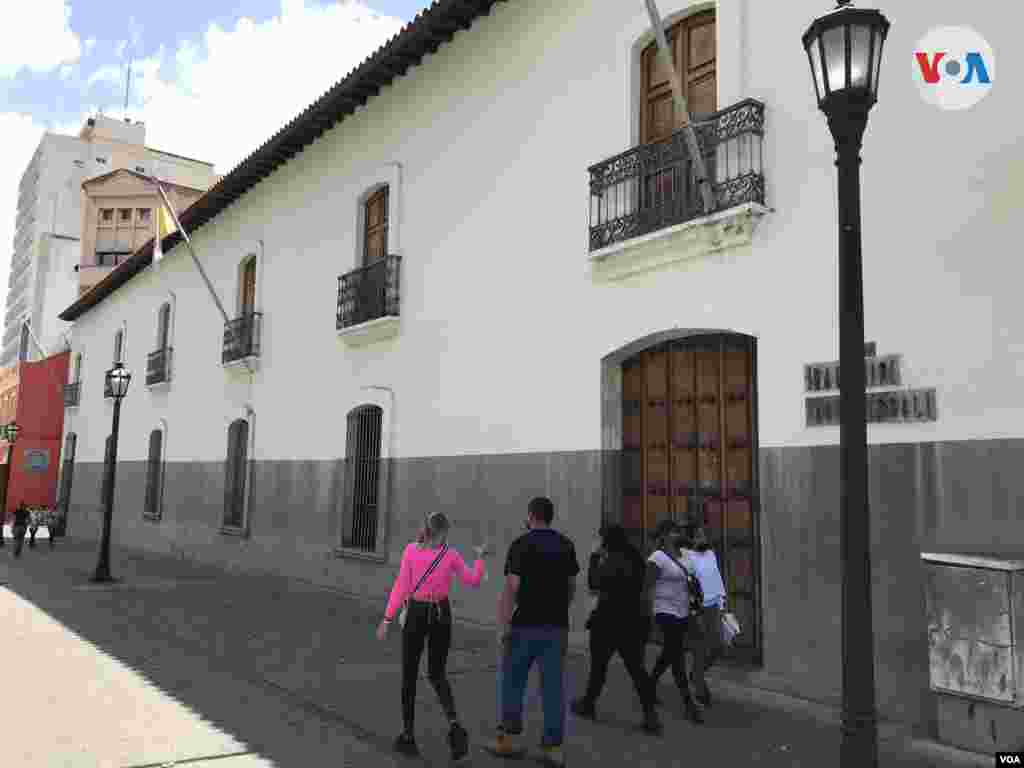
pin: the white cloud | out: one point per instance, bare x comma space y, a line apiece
65, 71
219, 99
21, 137
38, 37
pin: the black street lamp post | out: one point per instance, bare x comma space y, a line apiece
10, 433
845, 52
117, 380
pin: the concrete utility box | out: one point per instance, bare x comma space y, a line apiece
975, 610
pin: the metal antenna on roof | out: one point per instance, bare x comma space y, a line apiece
127, 87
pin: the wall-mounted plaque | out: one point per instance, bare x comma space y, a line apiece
912, 405
879, 371
37, 459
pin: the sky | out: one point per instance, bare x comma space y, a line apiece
212, 79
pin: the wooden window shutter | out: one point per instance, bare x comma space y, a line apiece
249, 287
375, 235
694, 52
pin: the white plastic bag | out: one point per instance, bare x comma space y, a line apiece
730, 628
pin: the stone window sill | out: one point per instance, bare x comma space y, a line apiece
347, 553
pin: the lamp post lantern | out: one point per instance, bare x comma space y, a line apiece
117, 380
10, 434
844, 48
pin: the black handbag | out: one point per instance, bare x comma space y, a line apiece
693, 588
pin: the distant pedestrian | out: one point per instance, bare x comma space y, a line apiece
620, 624
668, 579
34, 516
707, 643
21, 519
424, 580
533, 613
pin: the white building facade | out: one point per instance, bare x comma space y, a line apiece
435, 305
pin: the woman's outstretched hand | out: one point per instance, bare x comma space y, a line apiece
382, 629
482, 550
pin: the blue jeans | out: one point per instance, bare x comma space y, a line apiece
548, 647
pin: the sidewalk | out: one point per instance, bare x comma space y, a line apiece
278, 666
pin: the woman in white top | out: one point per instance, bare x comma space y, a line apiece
667, 579
707, 643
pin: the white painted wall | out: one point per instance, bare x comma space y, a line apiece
502, 329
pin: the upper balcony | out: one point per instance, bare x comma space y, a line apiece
368, 302
72, 394
649, 193
242, 339
158, 367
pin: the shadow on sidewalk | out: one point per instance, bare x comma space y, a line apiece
210, 638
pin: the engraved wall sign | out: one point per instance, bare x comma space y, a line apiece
879, 371
908, 406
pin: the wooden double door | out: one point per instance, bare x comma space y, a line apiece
690, 454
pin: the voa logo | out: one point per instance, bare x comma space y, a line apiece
1005, 758
954, 67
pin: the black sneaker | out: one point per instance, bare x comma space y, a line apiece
458, 741
405, 744
583, 708
705, 697
652, 723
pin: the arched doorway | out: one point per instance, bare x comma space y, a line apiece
688, 451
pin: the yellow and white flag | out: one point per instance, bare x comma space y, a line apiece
164, 223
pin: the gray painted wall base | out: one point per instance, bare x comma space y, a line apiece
933, 497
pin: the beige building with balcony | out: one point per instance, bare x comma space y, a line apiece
119, 214
44, 273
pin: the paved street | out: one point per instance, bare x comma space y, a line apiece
179, 664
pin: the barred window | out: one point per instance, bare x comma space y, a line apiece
154, 473
362, 473
235, 472
67, 471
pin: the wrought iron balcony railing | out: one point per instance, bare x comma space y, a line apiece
653, 186
369, 293
158, 366
242, 337
72, 393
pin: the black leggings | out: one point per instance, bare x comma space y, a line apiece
431, 625
627, 636
674, 631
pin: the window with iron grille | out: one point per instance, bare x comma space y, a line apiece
67, 471
362, 478
235, 474
154, 474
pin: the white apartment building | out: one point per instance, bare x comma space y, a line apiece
50, 211
473, 272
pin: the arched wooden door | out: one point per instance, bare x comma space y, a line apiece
690, 453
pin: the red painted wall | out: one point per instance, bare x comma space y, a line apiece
41, 418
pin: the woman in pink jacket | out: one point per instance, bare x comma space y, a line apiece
424, 579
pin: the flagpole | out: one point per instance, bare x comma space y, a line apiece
195, 260
700, 168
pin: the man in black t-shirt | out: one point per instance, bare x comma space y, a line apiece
21, 519
540, 584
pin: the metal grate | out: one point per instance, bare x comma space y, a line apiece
235, 471
158, 366
242, 337
362, 472
369, 293
652, 186
153, 473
